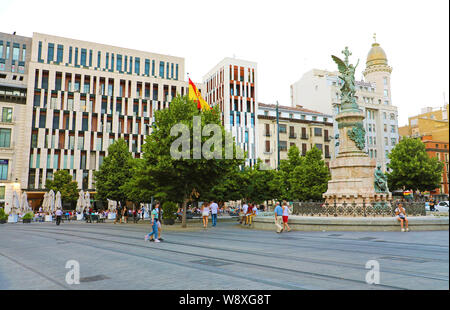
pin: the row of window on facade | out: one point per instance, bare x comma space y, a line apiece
49, 176
238, 74
142, 88
325, 149
318, 132
113, 63
16, 55
139, 126
89, 105
238, 119
373, 141
302, 116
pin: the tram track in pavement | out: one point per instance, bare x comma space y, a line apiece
325, 262
296, 258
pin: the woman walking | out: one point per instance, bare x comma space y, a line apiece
285, 216
205, 214
154, 221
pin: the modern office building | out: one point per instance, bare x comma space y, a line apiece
232, 84
14, 58
81, 97
320, 90
297, 126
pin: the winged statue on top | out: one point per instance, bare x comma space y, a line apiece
347, 75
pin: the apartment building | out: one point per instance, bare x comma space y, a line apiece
232, 85
297, 126
320, 90
14, 58
82, 96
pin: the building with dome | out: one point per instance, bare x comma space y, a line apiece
319, 90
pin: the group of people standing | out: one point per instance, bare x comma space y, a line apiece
281, 217
209, 207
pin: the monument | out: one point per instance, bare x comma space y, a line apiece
353, 175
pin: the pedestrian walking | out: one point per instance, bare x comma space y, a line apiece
286, 216
401, 216
154, 221
125, 214
118, 214
58, 214
244, 213
214, 208
278, 217
205, 213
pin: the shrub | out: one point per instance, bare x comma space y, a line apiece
170, 209
3, 215
28, 216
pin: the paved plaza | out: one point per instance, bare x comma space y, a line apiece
34, 256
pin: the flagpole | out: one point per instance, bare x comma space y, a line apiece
278, 139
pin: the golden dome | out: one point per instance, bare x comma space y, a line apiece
376, 56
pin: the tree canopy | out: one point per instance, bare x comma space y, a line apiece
412, 168
62, 182
114, 172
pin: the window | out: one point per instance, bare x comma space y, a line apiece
318, 132
161, 69
2, 188
385, 82
76, 56
283, 146
7, 115
40, 52
176, 72
393, 141
282, 128
3, 169
136, 65
99, 57
80, 142
119, 63
5, 137
147, 67
392, 116
70, 54
392, 128
83, 57
15, 55
319, 146
153, 67
385, 92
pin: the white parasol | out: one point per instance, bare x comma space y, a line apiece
87, 200
51, 201
15, 207
80, 202
24, 206
58, 202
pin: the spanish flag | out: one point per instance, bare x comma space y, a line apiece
194, 94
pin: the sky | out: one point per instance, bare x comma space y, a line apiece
285, 38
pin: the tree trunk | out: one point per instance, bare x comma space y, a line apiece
183, 219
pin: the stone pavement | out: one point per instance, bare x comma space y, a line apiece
34, 256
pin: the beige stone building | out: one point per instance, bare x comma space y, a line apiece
319, 90
82, 96
298, 126
14, 57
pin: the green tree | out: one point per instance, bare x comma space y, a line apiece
412, 168
62, 182
283, 178
114, 172
309, 180
185, 178
262, 184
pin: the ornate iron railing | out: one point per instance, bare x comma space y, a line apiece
353, 209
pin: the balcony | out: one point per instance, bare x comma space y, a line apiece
327, 155
304, 136
327, 139
267, 134
292, 135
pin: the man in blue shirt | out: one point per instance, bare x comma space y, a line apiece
278, 217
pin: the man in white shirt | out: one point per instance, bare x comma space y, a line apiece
58, 214
244, 213
214, 207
